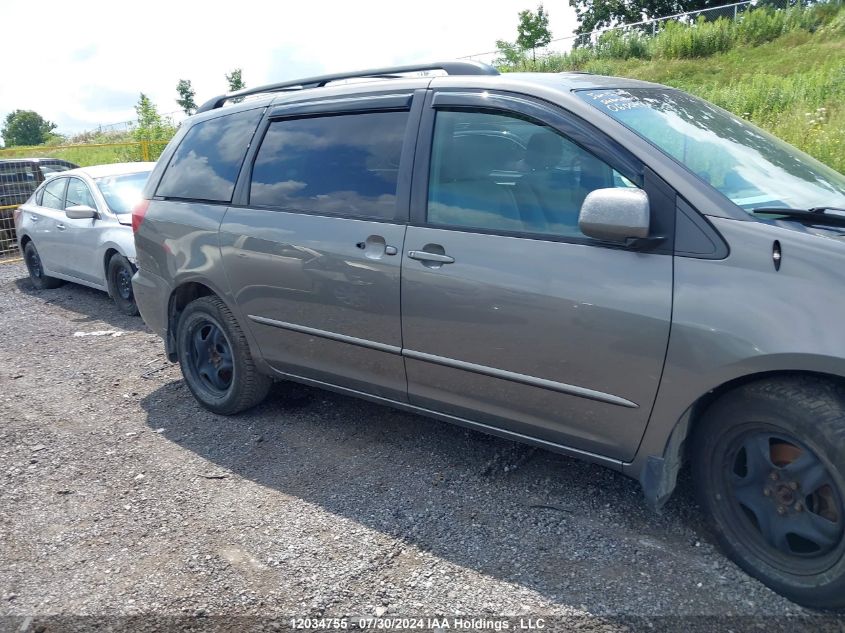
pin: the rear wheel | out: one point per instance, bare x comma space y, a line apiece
770, 470
36, 269
119, 274
215, 358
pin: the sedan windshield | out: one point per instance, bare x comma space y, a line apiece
123, 192
750, 167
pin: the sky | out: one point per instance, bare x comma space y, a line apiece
83, 64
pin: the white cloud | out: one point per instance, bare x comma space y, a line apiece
84, 65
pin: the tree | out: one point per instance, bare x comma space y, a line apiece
533, 30
510, 54
151, 127
597, 14
186, 96
26, 127
235, 80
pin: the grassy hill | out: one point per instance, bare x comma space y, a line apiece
788, 78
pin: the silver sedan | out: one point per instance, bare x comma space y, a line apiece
77, 226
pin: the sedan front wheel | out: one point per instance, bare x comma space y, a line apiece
119, 274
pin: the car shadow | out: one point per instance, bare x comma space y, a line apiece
90, 305
576, 532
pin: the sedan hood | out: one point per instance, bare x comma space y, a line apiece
125, 218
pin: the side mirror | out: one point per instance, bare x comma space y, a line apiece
615, 215
81, 212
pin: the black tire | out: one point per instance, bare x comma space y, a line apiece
119, 277
769, 467
36, 270
215, 359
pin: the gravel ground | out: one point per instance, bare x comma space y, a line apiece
120, 495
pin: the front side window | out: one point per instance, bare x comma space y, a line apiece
78, 194
748, 166
339, 165
501, 172
54, 194
205, 166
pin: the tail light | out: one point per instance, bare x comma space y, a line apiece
138, 214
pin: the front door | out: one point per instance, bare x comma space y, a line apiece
511, 316
83, 259
313, 256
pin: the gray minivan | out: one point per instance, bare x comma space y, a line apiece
603, 267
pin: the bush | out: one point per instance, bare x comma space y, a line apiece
619, 44
759, 26
679, 41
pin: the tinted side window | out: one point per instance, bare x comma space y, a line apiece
205, 166
78, 194
54, 194
346, 164
499, 172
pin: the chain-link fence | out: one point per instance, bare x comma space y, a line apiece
649, 27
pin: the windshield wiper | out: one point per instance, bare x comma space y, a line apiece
815, 215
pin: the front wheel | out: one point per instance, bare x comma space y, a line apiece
36, 269
769, 465
119, 275
215, 359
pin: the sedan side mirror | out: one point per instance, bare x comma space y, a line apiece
81, 212
615, 215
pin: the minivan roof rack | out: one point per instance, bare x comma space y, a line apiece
391, 72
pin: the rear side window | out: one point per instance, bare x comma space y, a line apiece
338, 165
54, 194
205, 166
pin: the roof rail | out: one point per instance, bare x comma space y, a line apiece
451, 68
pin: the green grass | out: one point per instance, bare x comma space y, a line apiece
786, 74
88, 154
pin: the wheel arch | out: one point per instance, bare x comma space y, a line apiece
24, 240
179, 298
659, 474
109, 252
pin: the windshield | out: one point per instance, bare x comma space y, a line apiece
750, 167
122, 193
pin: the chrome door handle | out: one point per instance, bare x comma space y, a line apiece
32, 217
425, 256
61, 227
